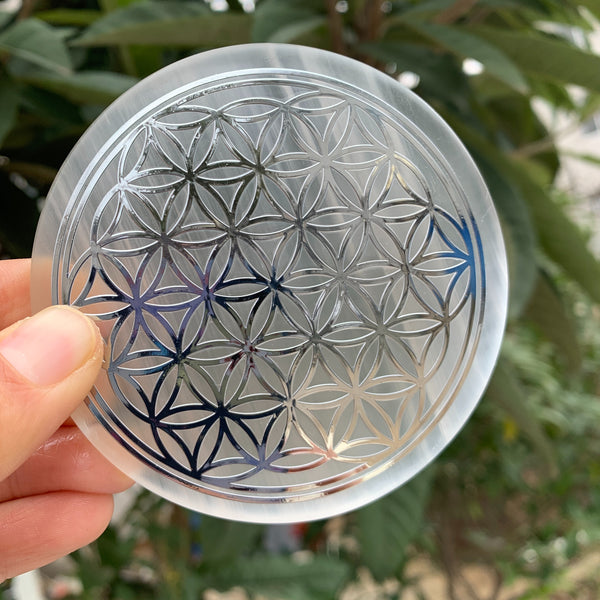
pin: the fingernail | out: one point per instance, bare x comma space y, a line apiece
51, 345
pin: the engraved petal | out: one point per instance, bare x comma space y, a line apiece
184, 117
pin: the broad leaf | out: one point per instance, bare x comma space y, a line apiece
441, 77
115, 549
52, 110
557, 95
9, 101
277, 21
548, 313
507, 393
69, 16
545, 57
38, 43
225, 541
468, 45
560, 238
519, 234
385, 528
424, 9
316, 577
521, 127
84, 87
110, 5
294, 31
5, 18
182, 24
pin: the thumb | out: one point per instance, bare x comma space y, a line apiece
48, 363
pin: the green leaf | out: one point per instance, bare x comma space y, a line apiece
441, 78
293, 31
385, 528
69, 16
559, 237
83, 87
558, 95
93, 575
545, 57
519, 234
136, 60
37, 43
224, 541
515, 117
53, 109
5, 18
507, 393
425, 8
314, 577
114, 549
590, 107
468, 45
277, 21
424, 61
548, 313
181, 24
9, 101
110, 5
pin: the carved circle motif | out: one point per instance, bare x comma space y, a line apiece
290, 283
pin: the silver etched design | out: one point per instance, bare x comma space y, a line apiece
290, 283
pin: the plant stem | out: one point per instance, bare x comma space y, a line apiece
374, 18
26, 9
368, 25
336, 27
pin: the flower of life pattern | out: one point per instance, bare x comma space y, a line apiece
287, 279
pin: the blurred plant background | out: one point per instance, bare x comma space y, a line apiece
512, 507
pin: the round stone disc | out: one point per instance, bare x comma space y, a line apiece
299, 275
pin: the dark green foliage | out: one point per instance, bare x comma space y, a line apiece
286, 22
316, 578
547, 311
520, 235
183, 555
385, 529
224, 541
36, 42
187, 24
546, 57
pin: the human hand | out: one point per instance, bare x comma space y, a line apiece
55, 488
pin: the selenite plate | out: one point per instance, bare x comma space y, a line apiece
299, 275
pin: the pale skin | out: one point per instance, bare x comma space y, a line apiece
55, 488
